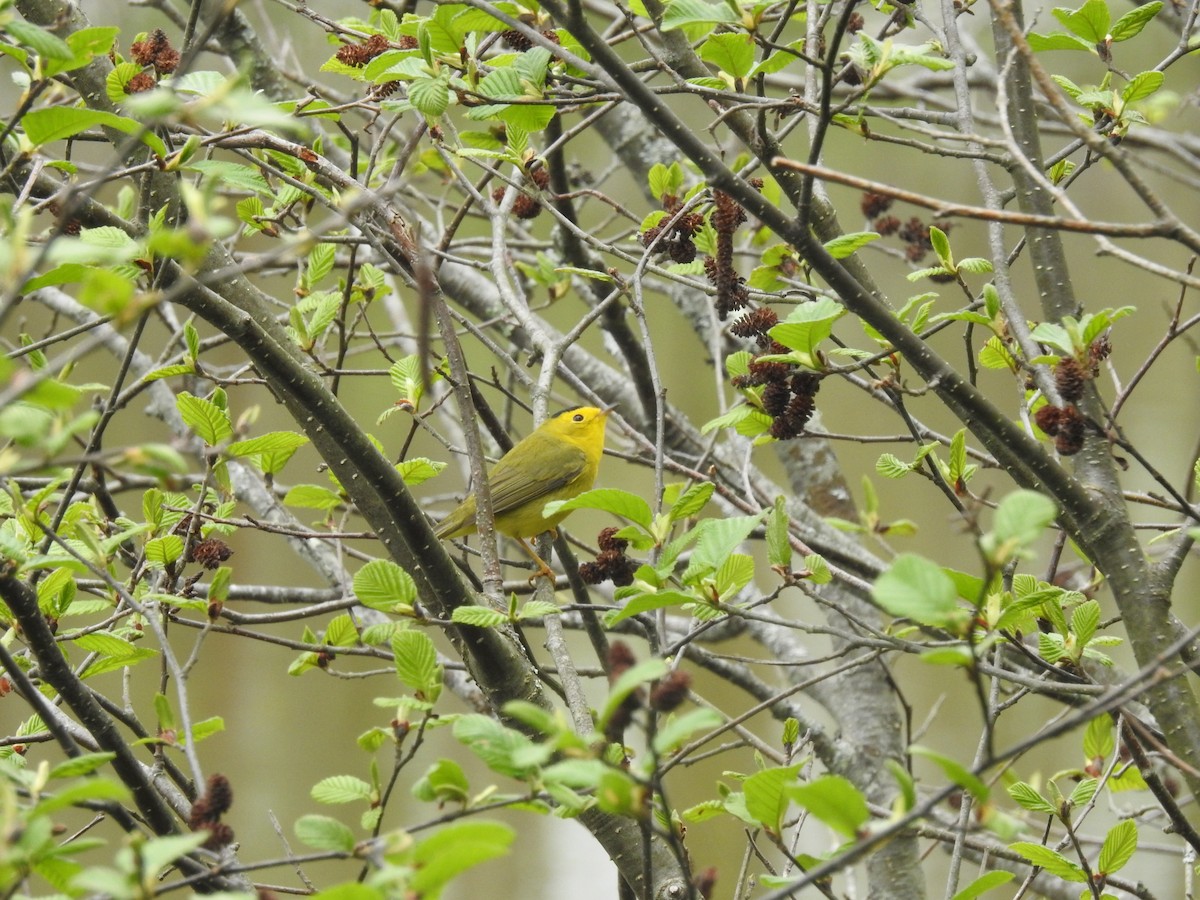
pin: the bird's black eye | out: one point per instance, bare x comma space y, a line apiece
578, 417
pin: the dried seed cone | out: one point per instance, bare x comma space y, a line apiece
621, 660
139, 83
1072, 428
1048, 418
359, 55
755, 323
220, 794
670, 692
731, 289
775, 398
1069, 377
515, 40
874, 205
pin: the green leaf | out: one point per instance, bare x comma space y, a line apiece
682, 13
941, 245
678, 730
964, 315
1131, 24
808, 325
766, 278
691, 501
1020, 519
320, 264
1098, 738
718, 538
740, 417
1052, 862
958, 455
312, 496
45, 44
443, 782
538, 609
231, 175
1142, 86
577, 774
779, 544
1084, 621
416, 662
629, 681
1050, 647
341, 789
916, 588
835, 801
953, 655
56, 592
891, 466
451, 851
767, 794
594, 275
1083, 792
907, 798
1127, 779
506, 85
341, 632
621, 503
477, 20
479, 616
86, 44
324, 833
1058, 41
160, 852
955, 771
55, 123
817, 569
534, 717
664, 180
994, 355
207, 728
1090, 21
210, 422
778, 60
791, 731
405, 375
273, 449
733, 575
846, 244
202, 83
383, 585
164, 550
164, 713
929, 272
731, 52
430, 96
975, 265
983, 884
84, 764
168, 372
504, 750
1093, 324
648, 602
1119, 846
418, 470
1028, 798
90, 790
619, 794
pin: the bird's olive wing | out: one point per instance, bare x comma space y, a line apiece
543, 465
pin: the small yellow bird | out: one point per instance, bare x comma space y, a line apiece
557, 461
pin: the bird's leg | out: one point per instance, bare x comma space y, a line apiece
543, 570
